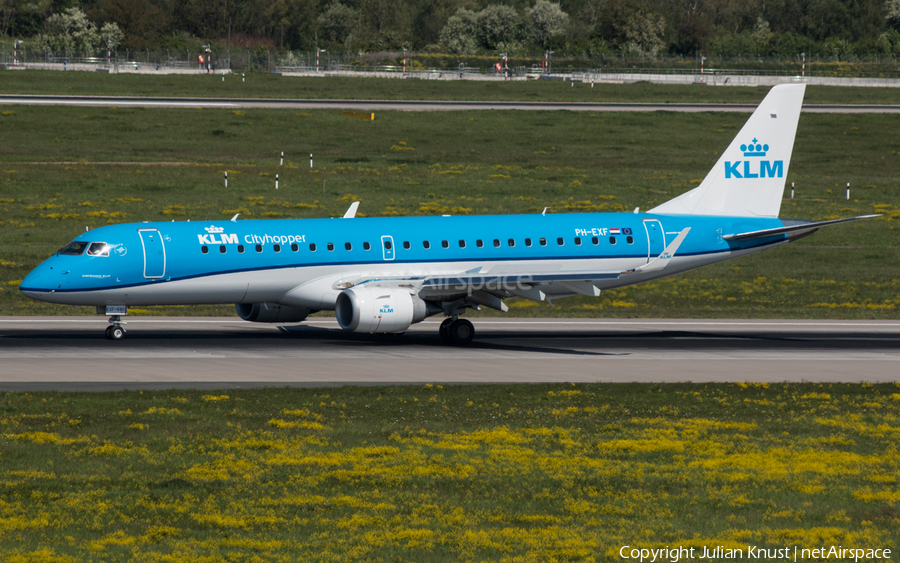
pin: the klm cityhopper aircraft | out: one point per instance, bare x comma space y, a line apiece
380, 275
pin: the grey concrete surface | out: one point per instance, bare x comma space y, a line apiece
417, 105
71, 353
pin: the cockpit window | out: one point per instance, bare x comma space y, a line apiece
74, 248
98, 249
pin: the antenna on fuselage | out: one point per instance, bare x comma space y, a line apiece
544, 212
234, 219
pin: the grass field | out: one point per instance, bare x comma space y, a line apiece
259, 85
62, 169
429, 473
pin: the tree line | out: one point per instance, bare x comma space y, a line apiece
579, 28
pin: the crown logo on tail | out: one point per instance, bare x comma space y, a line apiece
755, 149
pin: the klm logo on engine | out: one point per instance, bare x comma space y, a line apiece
384, 309
754, 168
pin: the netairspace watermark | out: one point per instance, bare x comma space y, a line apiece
795, 553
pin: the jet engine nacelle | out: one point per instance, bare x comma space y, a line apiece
379, 309
271, 313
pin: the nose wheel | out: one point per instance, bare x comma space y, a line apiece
456, 331
115, 331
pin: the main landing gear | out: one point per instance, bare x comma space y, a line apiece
115, 331
457, 331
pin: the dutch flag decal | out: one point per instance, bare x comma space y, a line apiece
615, 231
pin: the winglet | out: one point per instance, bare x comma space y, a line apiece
662, 260
351, 212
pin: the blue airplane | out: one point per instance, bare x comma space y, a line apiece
380, 275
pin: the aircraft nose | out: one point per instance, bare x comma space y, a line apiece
39, 281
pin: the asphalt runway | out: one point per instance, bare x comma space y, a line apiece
415, 105
71, 353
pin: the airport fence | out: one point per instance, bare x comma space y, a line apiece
874, 70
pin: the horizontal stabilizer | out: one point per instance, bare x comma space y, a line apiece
794, 227
663, 259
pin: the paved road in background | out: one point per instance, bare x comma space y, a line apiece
401, 105
71, 353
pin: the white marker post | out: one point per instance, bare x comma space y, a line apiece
276, 181
226, 178
792, 190
848, 191
243, 79
310, 160
282, 159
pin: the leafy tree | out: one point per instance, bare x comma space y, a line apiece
643, 34
338, 21
142, 22
69, 32
458, 35
892, 13
495, 24
546, 20
762, 35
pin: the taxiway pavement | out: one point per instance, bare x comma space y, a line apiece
71, 353
416, 105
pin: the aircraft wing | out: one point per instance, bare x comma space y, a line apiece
795, 228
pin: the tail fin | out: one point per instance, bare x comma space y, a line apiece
748, 180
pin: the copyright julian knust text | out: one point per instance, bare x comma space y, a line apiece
795, 553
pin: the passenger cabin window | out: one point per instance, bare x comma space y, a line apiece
312, 247
223, 249
528, 242
240, 249
560, 241
426, 245
462, 243
204, 249
367, 246
259, 248
577, 241
543, 242
595, 241
294, 247
276, 247
330, 246
348, 246
479, 243
612, 240
511, 242
406, 244
445, 244
497, 242
629, 239
74, 248
98, 249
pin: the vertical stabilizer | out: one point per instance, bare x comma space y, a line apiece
748, 180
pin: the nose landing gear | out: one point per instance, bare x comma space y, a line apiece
115, 331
